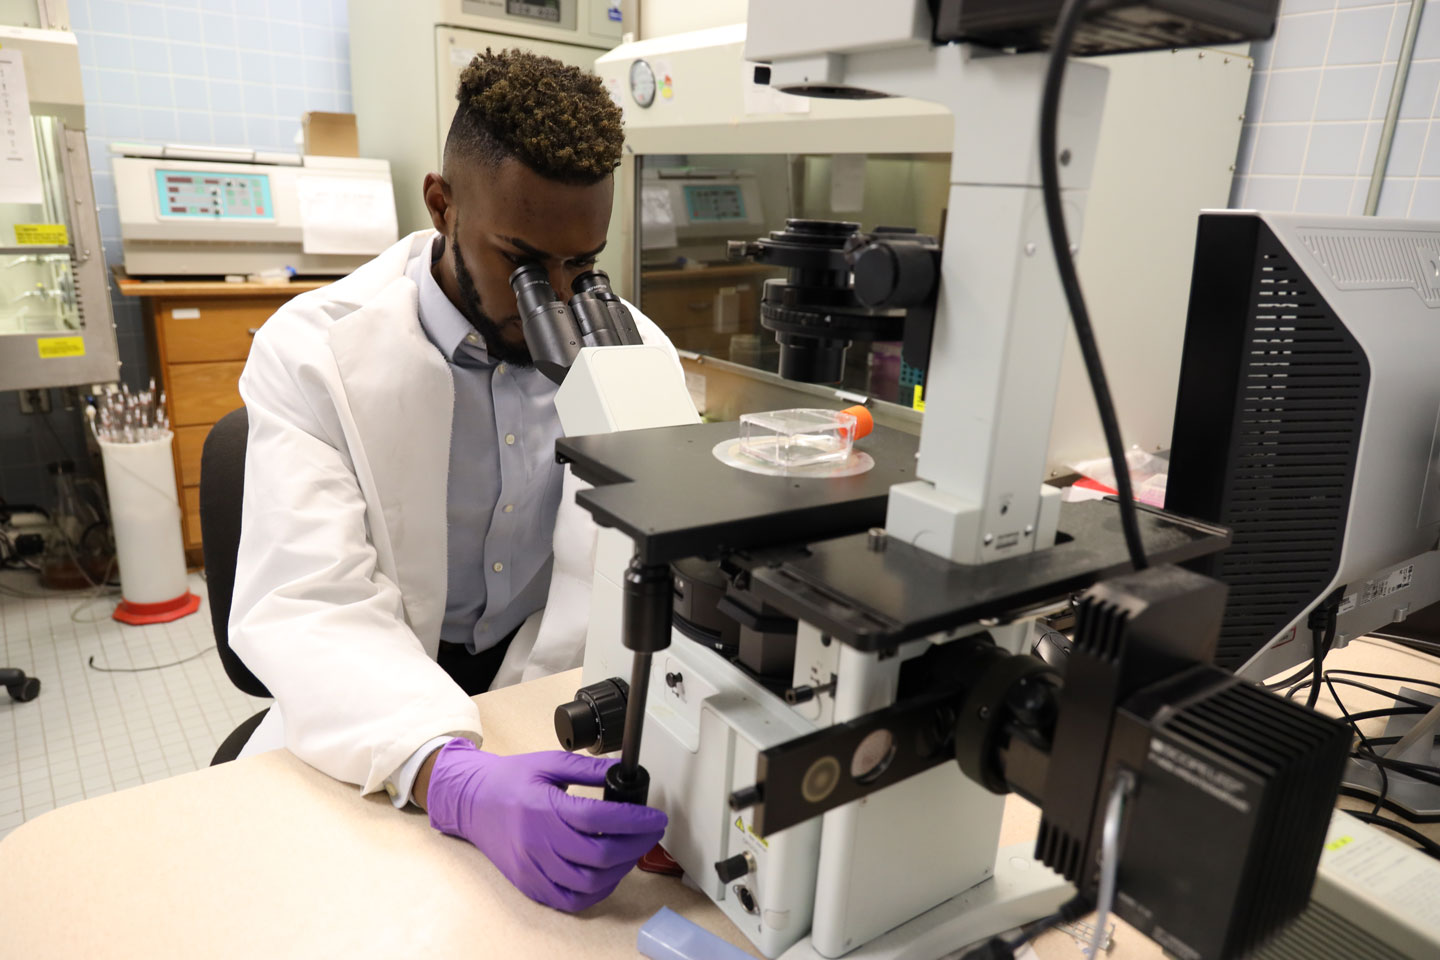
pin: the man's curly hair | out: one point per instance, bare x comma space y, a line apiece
556, 119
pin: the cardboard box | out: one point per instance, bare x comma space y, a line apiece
330, 134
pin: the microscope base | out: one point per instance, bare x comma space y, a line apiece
1021, 890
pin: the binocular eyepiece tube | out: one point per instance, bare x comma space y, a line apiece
556, 332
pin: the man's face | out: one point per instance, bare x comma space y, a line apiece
496, 218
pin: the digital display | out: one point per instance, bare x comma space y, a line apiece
547, 10
213, 195
715, 203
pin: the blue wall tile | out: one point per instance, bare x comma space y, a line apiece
151, 55
225, 97
219, 29
183, 25
146, 20
109, 16
154, 90
1361, 36
112, 52
1346, 93
252, 33
1325, 196
222, 63
1291, 96
1354, 45
187, 59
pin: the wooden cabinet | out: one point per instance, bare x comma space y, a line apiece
703, 309
200, 334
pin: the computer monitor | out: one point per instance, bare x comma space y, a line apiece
1306, 421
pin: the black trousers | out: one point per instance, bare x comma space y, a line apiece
473, 671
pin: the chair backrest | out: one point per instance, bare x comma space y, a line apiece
222, 488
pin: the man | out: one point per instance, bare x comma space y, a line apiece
401, 492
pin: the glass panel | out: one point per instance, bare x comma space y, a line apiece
691, 206
37, 281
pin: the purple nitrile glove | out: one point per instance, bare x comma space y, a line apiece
565, 852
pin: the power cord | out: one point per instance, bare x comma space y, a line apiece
158, 666
1070, 17
1323, 622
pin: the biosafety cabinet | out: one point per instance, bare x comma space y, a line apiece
56, 328
405, 62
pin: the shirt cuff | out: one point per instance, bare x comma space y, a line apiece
399, 784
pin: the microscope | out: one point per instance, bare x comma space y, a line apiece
826, 683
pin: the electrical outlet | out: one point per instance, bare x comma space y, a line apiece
35, 401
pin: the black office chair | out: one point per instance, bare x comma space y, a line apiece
222, 488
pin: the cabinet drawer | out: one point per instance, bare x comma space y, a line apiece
201, 330
202, 393
189, 442
190, 501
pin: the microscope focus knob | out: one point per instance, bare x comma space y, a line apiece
595, 719
733, 868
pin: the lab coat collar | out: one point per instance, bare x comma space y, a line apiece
443, 323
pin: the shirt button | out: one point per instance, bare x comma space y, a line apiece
509, 508
497, 566
391, 789
500, 369
509, 439
471, 338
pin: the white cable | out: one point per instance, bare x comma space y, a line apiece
1109, 857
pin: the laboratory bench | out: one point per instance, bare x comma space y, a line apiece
200, 333
268, 857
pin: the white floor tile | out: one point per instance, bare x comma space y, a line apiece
91, 732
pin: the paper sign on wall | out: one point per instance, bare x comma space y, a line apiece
346, 215
19, 170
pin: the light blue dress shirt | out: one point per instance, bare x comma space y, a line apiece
504, 486
503, 491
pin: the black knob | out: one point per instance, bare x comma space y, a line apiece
595, 719
745, 798
673, 680
733, 868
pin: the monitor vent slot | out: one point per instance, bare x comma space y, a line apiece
1299, 407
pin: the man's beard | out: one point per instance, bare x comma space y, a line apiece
500, 349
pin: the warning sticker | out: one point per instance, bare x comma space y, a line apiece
41, 234
53, 348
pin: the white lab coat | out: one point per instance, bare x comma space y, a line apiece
341, 577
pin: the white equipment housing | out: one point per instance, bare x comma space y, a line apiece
215, 211
404, 114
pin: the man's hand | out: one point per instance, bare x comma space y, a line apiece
565, 852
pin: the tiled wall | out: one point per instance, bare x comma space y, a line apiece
1317, 103
226, 72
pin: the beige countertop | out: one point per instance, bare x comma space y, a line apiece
268, 857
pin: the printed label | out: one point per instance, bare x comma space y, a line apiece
42, 234
1378, 589
53, 348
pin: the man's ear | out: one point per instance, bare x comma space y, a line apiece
437, 201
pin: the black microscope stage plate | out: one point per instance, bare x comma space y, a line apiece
664, 488
874, 600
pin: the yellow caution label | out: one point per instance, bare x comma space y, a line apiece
41, 234
1339, 842
744, 827
919, 402
52, 348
